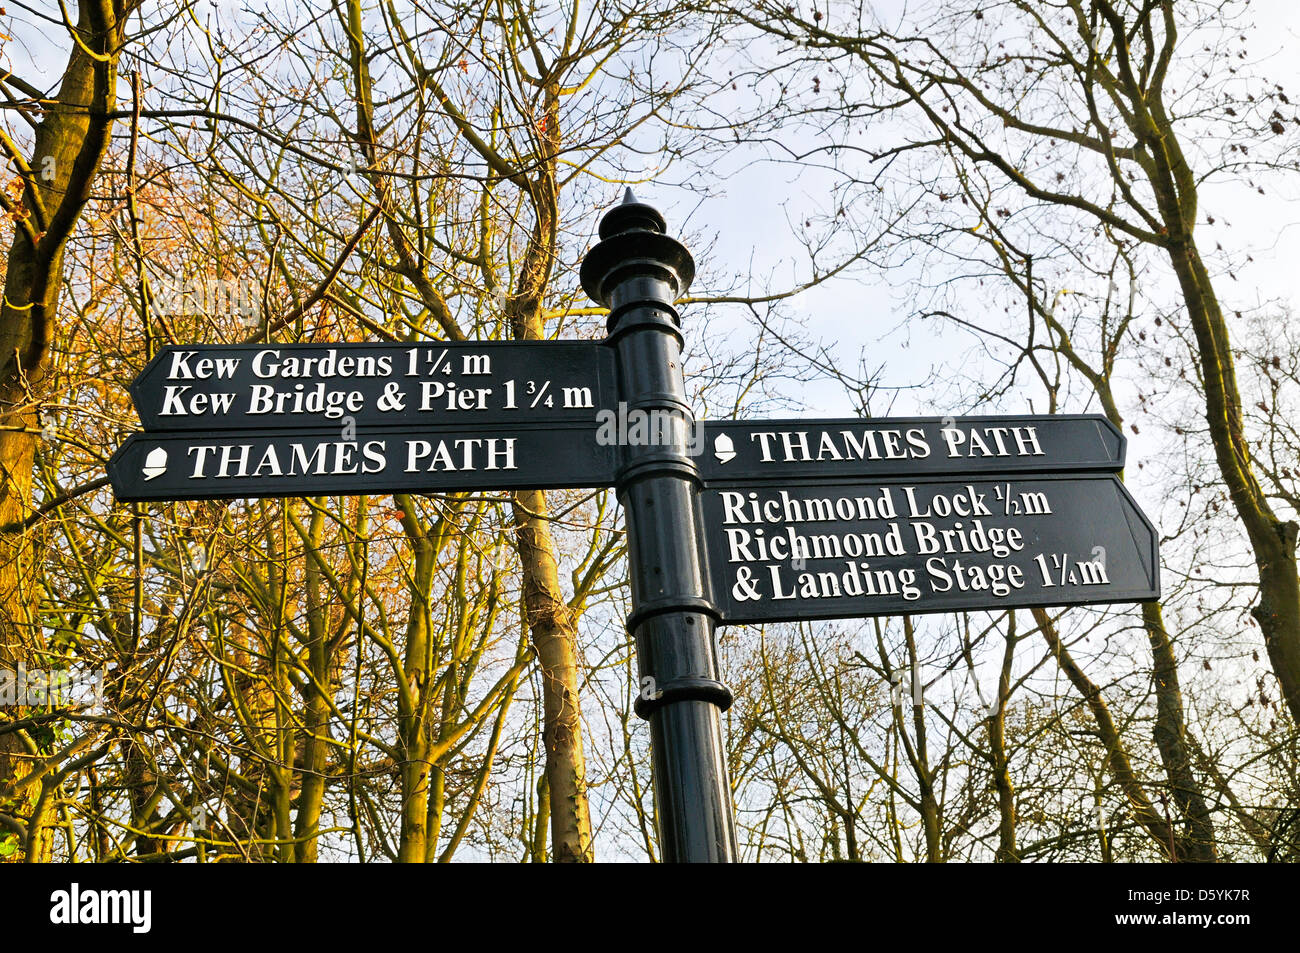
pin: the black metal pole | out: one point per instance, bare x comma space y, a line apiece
638, 272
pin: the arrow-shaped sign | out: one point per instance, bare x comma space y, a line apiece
902, 446
849, 549
190, 466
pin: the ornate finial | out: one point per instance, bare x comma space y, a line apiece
636, 259
631, 214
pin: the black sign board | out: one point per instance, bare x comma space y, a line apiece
192, 466
852, 548
890, 447
301, 386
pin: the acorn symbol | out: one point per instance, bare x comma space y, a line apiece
155, 464
723, 448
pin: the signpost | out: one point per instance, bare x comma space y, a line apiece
728, 522
638, 272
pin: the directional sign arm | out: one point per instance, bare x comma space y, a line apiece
896, 446
851, 549
276, 464
431, 383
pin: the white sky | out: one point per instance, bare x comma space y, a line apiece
852, 314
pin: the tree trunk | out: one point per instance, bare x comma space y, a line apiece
1117, 759
1171, 739
69, 148
551, 622
1273, 540
555, 638
1007, 852
413, 697
316, 715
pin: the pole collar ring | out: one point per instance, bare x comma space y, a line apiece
687, 688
